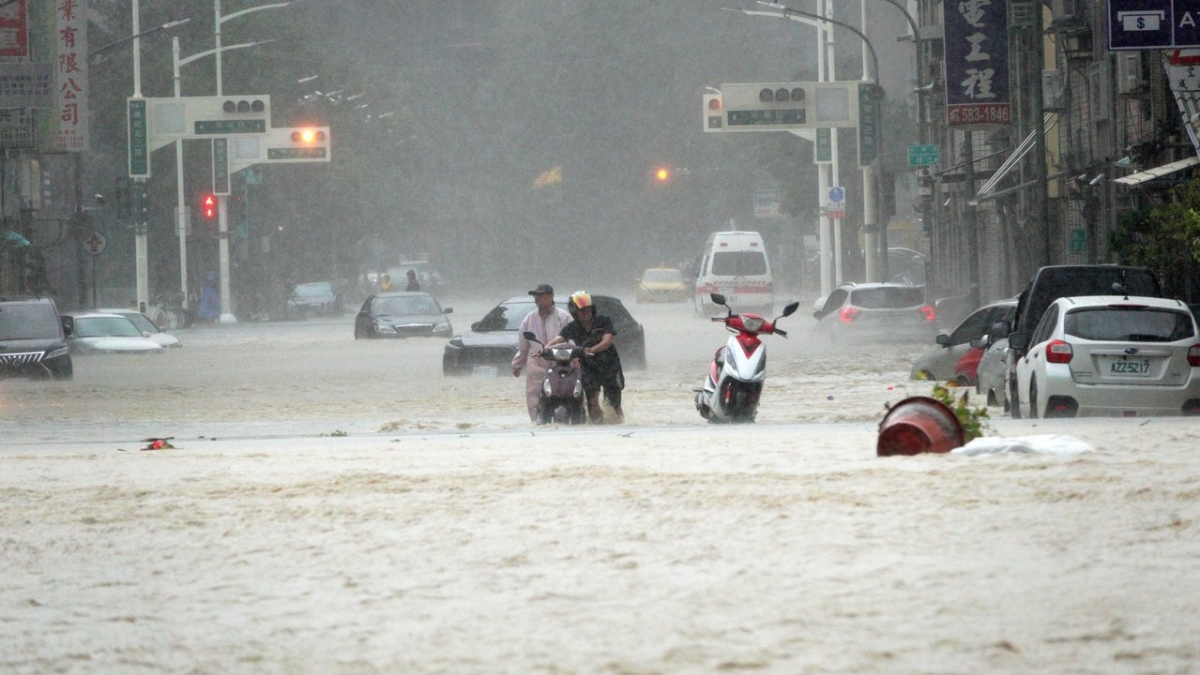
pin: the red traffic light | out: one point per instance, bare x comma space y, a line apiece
208, 206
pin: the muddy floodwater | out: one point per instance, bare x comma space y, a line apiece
337, 506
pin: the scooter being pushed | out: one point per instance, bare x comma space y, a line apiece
738, 370
562, 399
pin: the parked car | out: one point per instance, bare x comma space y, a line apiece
488, 348
1115, 355
402, 314
314, 298
991, 375
663, 284
147, 326
876, 312
32, 341
97, 333
1062, 281
941, 362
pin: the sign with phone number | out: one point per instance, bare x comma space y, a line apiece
979, 113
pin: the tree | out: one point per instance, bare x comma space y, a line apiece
1165, 238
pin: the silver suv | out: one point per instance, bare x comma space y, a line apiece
32, 342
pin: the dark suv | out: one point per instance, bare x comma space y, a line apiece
32, 343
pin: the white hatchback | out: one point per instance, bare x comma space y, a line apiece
1110, 355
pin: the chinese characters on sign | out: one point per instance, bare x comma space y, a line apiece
977, 87
70, 132
26, 85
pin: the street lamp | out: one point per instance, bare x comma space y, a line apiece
874, 232
222, 222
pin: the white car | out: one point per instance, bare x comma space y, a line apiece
1110, 355
147, 326
991, 376
97, 333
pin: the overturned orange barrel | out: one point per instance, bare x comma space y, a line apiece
916, 425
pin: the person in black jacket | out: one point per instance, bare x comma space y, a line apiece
601, 364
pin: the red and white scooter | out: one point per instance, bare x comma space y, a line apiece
737, 372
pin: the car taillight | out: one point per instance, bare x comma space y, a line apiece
847, 314
1059, 352
927, 313
1194, 356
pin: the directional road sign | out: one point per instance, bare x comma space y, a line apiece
923, 155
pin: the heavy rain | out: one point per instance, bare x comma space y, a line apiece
281, 494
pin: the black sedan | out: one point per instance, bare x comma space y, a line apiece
488, 348
401, 314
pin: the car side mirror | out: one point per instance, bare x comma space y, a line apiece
1000, 329
817, 315
979, 342
1018, 340
942, 339
447, 310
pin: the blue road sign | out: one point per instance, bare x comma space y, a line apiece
1153, 24
837, 194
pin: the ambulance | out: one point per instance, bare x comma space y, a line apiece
735, 265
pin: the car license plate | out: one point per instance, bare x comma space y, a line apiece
484, 371
1129, 367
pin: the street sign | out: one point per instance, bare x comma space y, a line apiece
868, 125
823, 146
837, 194
1078, 240
95, 243
1152, 24
923, 155
836, 214
139, 150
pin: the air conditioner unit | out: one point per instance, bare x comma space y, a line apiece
1054, 95
1129, 72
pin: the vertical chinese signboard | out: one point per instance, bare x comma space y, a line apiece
977, 77
58, 37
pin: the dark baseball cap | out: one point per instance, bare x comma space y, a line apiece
542, 288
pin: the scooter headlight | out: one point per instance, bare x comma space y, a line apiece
752, 324
562, 353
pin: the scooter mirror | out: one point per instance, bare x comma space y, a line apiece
530, 335
717, 299
790, 308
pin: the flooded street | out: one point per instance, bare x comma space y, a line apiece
333, 506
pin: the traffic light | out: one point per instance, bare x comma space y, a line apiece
308, 136
244, 106
141, 201
714, 112
208, 206
124, 199
662, 174
300, 144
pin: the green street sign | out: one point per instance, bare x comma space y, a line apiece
220, 164
139, 150
225, 127
868, 125
1078, 240
923, 155
295, 153
823, 147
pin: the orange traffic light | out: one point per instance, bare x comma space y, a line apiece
662, 175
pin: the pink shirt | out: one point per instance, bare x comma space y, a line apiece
546, 328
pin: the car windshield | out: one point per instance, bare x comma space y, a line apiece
313, 290
888, 297
105, 326
1128, 324
142, 322
739, 263
663, 276
27, 321
421, 304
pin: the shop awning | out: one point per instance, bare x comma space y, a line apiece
1157, 172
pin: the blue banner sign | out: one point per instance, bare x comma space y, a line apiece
1153, 24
